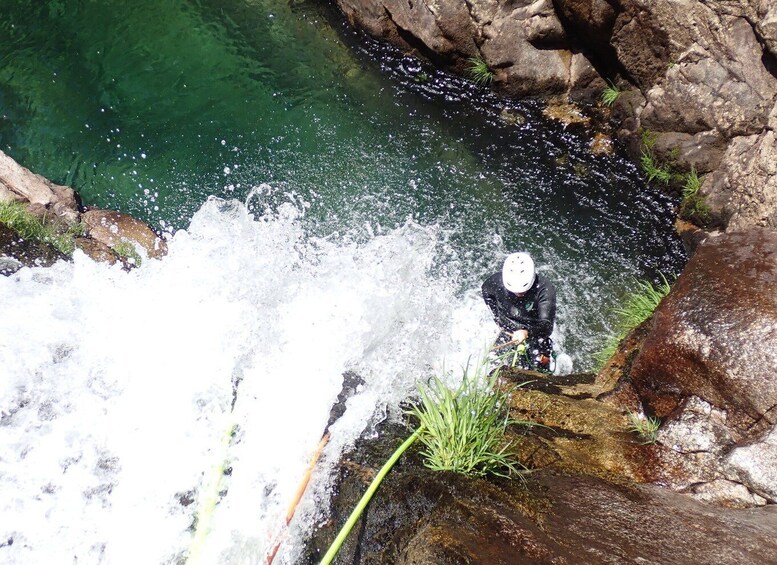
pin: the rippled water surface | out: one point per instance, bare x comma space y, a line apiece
374, 194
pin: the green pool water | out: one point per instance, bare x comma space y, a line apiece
152, 107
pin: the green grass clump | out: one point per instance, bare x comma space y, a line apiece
641, 303
16, 216
479, 71
645, 427
610, 94
692, 184
637, 307
463, 430
693, 206
649, 138
126, 250
655, 170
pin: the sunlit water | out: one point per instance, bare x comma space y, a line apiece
358, 208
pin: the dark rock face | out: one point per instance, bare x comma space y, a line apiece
419, 516
715, 335
16, 252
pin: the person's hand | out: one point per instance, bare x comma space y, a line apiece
520, 335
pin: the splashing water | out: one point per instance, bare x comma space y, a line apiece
117, 388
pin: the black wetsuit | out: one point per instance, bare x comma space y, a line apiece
534, 312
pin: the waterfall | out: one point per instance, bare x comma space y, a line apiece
120, 392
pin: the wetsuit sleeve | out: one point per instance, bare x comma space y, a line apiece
489, 290
546, 311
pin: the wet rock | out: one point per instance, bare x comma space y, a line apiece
511, 117
691, 235
96, 251
715, 335
567, 113
602, 144
112, 228
706, 367
20, 184
17, 252
698, 427
419, 516
722, 492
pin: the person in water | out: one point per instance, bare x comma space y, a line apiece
524, 307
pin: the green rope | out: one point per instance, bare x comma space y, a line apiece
365, 499
209, 498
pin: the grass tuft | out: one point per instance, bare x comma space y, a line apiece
655, 170
127, 250
641, 303
479, 71
649, 138
463, 430
610, 94
16, 216
692, 184
637, 307
644, 426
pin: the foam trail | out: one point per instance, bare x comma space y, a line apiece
116, 388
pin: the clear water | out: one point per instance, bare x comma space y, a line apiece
358, 208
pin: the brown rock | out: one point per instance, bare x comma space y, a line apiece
703, 151
567, 113
20, 184
715, 335
96, 251
111, 228
420, 516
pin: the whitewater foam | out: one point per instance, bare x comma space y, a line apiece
116, 389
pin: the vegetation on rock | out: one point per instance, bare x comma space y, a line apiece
479, 71
644, 426
15, 216
637, 307
610, 94
463, 430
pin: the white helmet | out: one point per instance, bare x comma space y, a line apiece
518, 272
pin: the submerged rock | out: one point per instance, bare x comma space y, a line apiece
112, 228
